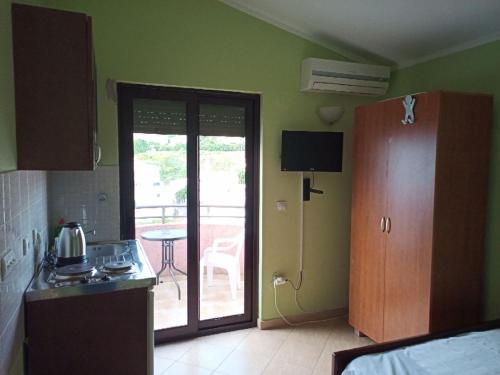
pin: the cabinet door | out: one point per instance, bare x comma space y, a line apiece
366, 296
53, 69
410, 197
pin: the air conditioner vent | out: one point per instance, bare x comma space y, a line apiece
320, 75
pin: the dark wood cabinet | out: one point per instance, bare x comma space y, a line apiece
107, 333
55, 89
418, 212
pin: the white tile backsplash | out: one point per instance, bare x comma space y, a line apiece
23, 207
33, 200
97, 190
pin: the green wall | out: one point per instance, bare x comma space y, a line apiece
473, 70
206, 44
7, 115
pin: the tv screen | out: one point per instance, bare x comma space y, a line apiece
311, 151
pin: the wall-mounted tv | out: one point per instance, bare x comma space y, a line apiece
311, 151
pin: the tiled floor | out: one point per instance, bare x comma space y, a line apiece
216, 302
295, 350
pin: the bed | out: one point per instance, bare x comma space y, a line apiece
473, 350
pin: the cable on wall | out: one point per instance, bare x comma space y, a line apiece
284, 318
298, 284
300, 276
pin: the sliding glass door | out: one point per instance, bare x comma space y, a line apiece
188, 168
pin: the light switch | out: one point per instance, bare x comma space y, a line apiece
8, 262
281, 206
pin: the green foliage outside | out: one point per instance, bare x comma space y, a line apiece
218, 154
241, 177
181, 195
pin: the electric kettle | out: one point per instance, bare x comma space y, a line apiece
71, 245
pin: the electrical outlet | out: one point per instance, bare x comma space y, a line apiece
281, 205
8, 262
278, 279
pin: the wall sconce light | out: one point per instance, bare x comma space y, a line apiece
330, 115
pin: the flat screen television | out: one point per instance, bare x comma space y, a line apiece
311, 151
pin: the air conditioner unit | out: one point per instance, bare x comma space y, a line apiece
320, 75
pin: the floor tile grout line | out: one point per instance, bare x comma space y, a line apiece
191, 365
236, 347
317, 361
232, 351
170, 365
322, 350
292, 329
239, 339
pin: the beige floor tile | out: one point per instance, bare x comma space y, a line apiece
261, 342
277, 367
301, 350
184, 369
161, 365
343, 337
324, 363
282, 333
227, 339
206, 355
299, 353
316, 333
244, 363
174, 350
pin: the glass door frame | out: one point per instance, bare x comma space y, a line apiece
193, 98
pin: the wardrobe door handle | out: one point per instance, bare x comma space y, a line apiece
382, 224
389, 225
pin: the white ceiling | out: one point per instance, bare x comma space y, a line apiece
401, 32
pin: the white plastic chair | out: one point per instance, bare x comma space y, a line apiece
224, 253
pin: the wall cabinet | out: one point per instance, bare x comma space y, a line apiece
55, 89
418, 213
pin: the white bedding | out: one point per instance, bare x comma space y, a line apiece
468, 354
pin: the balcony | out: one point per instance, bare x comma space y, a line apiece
216, 221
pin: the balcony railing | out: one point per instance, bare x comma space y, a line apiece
179, 211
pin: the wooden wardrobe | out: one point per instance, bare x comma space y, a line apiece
418, 214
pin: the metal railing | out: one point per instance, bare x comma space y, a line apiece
207, 208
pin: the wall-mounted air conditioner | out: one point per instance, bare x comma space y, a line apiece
320, 75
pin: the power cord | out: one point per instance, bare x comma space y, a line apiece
283, 317
296, 287
295, 292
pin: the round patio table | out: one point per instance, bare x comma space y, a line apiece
167, 238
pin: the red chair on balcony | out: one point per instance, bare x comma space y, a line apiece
224, 253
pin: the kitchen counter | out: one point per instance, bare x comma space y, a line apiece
46, 285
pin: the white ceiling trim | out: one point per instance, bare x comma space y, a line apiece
351, 53
451, 50
293, 30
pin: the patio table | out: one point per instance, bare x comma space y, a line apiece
167, 238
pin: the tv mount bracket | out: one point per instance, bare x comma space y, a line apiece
307, 190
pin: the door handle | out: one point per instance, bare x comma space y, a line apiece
382, 224
389, 225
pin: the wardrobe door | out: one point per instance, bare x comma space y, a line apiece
410, 197
366, 297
